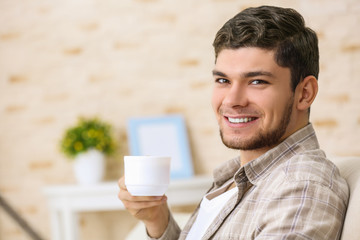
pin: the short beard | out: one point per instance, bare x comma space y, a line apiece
263, 139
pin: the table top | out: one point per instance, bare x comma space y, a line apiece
103, 196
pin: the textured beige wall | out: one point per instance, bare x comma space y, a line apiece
118, 59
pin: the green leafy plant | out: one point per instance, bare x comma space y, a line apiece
88, 134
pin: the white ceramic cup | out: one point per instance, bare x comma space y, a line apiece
147, 175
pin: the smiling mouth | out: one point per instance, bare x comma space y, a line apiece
241, 120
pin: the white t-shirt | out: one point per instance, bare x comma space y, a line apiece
208, 211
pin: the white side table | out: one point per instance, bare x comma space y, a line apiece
66, 201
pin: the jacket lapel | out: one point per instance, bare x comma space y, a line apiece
227, 209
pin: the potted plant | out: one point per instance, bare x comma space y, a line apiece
88, 142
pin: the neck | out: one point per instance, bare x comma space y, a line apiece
249, 155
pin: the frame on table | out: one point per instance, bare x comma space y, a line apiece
162, 136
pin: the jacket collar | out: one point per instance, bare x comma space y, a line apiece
260, 167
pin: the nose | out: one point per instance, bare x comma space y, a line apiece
236, 96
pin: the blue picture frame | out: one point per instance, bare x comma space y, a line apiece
162, 136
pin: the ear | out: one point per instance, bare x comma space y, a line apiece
306, 92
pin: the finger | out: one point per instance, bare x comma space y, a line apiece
124, 195
141, 205
121, 183
129, 197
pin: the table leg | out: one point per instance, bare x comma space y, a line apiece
70, 223
55, 225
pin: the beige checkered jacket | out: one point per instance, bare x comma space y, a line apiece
294, 192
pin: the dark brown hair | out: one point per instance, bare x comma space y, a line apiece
280, 29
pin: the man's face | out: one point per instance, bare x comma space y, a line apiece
252, 98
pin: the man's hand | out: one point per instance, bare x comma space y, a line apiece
153, 211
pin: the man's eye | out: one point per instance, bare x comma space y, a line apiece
222, 80
258, 82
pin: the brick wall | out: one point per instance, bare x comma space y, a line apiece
119, 59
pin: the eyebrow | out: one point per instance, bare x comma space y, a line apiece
246, 74
217, 73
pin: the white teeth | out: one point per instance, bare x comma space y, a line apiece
240, 120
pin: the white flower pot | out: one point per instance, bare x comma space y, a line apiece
89, 167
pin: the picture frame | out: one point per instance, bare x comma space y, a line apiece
162, 136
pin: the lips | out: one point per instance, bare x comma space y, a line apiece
241, 120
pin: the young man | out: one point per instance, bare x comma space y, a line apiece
281, 186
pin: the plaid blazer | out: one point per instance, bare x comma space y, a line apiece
290, 192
